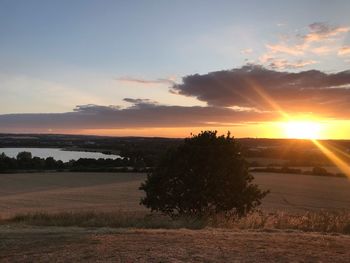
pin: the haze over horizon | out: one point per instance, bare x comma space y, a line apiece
152, 68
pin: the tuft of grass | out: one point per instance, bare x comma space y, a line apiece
318, 221
315, 221
105, 219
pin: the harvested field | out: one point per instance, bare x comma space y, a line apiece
300, 193
106, 192
57, 192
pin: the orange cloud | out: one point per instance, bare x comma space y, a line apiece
344, 51
282, 48
320, 39
247, 51
322, 50
321, 32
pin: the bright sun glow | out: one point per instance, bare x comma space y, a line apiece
302, 129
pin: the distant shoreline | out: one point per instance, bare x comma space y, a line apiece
104, 151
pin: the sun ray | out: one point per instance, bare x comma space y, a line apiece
304, 129
341, 164
267, 98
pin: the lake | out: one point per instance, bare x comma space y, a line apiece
57, 154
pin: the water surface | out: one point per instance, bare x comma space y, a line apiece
57, 154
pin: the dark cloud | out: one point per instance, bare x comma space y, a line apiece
256, 87
243, 95
141, 103
141, 114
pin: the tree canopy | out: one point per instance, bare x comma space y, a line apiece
206, 174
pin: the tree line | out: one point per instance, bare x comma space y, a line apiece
25, 161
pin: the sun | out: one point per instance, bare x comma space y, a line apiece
302, 129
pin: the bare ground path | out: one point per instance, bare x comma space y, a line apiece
70, 244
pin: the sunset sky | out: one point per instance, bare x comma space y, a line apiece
168, 68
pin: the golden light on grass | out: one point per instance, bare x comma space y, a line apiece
302, 129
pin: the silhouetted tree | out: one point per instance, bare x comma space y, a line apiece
24, 156
204, 175
24, 160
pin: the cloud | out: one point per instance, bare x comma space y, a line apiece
167, 81
248, 94
256, 87
246, 51
141, 103
344, 51
283, 48
280, 63
142, 114
322, 50
323, 32
296, 51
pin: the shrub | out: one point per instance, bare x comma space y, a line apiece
203, 176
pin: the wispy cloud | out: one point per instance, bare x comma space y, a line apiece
320, 32
247, 51
322, 50
295, 51
344, 51
280, 63
283, 48
167, 81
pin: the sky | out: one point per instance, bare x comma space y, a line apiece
171, 68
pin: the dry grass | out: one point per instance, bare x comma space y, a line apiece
304, 200
105, 219
320, 221
72, 244
131, 235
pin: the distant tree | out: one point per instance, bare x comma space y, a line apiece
37, 163
203, 176
24, 156
319, 171
50, 163
24, 160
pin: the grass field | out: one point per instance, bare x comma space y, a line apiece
57, 192
117, 231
